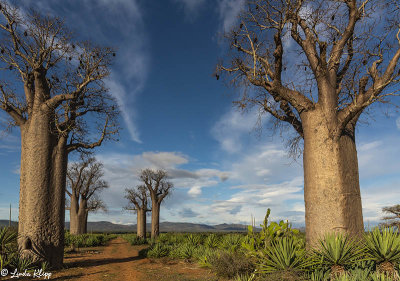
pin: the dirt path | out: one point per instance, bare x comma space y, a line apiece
119, 261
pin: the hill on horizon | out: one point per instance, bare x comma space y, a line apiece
105, 226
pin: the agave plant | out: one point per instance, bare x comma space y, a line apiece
383, 247
212, 241
7, 237
337, 252
318, 275
283, 254
232, 241
245, 277
193, 239
158, 251
186, 251
379, 276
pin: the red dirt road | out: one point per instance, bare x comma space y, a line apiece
118, 261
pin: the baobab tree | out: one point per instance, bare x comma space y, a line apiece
84, 183
316, 66
394, 218
50, 85
138, 201
158, 187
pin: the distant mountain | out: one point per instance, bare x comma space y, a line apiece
6, 223
105, 226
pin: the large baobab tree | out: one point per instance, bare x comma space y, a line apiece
84, 183
316, 66
394, 216
138, 201
159, 187
50, 85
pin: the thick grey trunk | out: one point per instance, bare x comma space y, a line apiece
331, 181
86, 221
78, 216
42, 191
155, 219
141, 223
73, 214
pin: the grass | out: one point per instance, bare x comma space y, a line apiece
87, 240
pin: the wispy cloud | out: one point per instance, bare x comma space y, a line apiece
228, 12
191, 7
121, 23
121, 171
233, 127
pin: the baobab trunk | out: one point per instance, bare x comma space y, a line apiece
42, 190
86, 221
141, 223
78, 216
331, 184
155, 220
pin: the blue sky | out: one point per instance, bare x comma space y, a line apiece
176, 116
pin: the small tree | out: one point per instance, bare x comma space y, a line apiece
158, 187
138, 201
394, 219
84, 184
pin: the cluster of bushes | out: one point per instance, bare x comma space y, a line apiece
133, 239
278, 252
87, 240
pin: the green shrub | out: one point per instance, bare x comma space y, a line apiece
87, 240
383, 247
229, 264
283, 254
212, 241
194, 239
158, 251
232, 242
337, 252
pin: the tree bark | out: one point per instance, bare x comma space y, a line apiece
78, 216
141, 223
155, 219
86, 221
42, 190
331, 180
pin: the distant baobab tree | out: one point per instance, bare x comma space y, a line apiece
158, 187
139, 201
316, 66
84, 183
50, 85
394, 218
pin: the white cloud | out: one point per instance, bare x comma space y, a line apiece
119, 92
377, 195
265, 164
378, 158
122, 24
165, 160
191, 7
256, 199
229, 11
398, 123
233, 126
121, 171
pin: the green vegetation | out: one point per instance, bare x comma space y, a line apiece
10, 257
278, 252
87, 240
